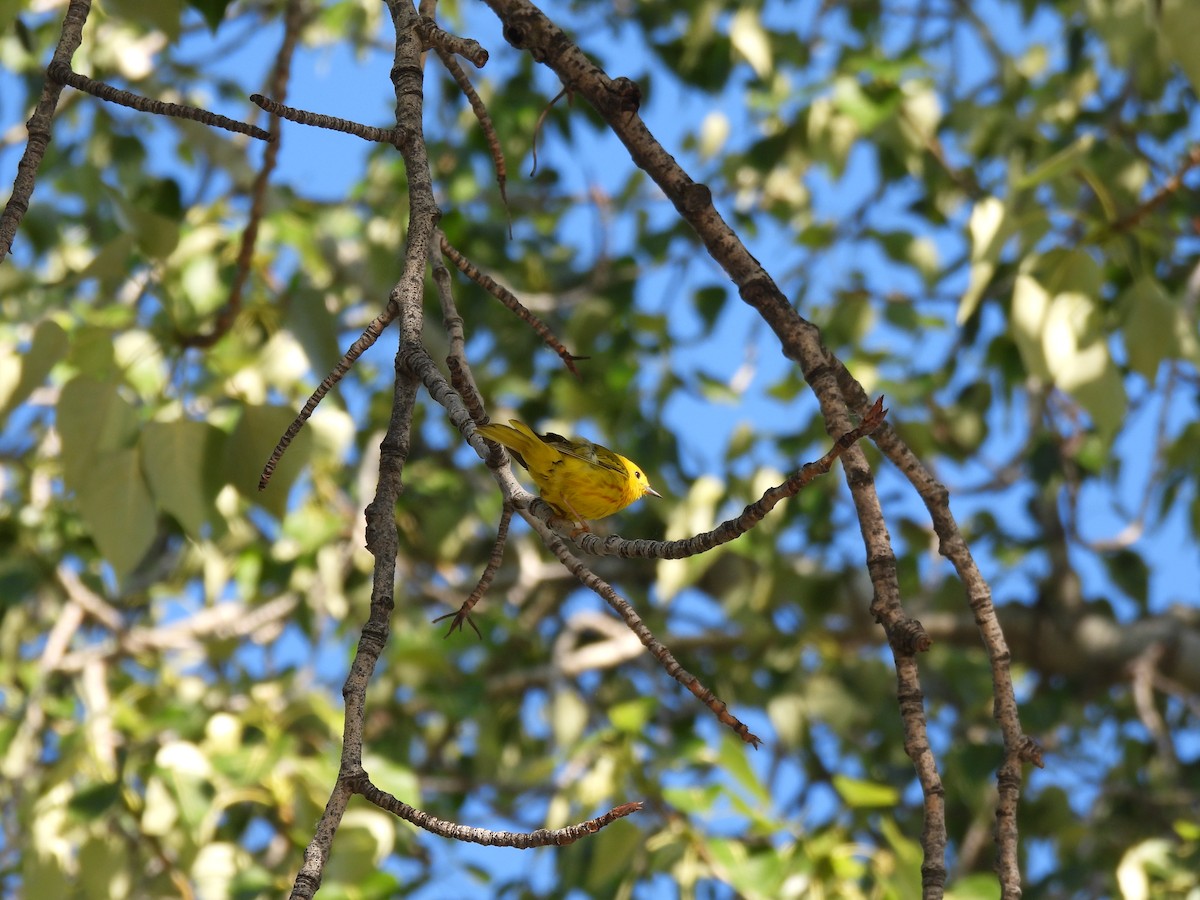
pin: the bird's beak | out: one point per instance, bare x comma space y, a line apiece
653, 493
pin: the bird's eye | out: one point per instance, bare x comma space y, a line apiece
637, 474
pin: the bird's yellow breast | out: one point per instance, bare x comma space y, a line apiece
593, 492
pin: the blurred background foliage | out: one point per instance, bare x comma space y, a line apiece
988, 208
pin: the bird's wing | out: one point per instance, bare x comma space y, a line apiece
583, 450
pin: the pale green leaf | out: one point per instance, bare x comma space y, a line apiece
179, 459
1150, 320
1030, 301
612, 851
1179, 25
117, 508
987, 231
632, 715
859, 793
1079, 361
49, 345
568, 717
1133, 874
1056, 165
986, 227
980, 886
751, 41
692, 514
105, 860
364, 838
735, 761
249, 447
786, 712
92, 418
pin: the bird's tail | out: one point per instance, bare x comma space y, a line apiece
525, 446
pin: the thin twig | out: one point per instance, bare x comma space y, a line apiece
485, 580
382, 536
1170, 186
731, 529
521, 840
456, 359
369, 336
63, 74
506, 297
485, 122
293, 21
394, 136
617, 101
537, 127
658, 650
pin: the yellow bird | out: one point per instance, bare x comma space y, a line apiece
576, 477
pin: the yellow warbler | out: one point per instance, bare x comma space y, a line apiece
576, 477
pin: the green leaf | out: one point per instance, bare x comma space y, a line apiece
980, 886
1128, 569
180, 460
858, 793
105, 860
162, 15
751, 40
49, 345
1079, 360
736, 763
1029, 304
249, 447
709, 302
90, 803
1056, 165
632, 715
1180, 23
988, 233
1150, 322
117, 508
92, 419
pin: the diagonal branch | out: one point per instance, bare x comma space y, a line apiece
293, 21
658, 650
618, 101
63, 74
505, 296
39, 126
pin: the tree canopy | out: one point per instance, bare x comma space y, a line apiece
707, 235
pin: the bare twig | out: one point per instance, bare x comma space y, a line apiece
592, 581
506, 297
39, 126
62, 73
537, 126
485, 122
293, 20
617, 101
1170, 186
557, 837
485, 580
394, 136
381, 533
614, 545
369, 336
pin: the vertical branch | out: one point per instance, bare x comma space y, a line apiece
39, 126
382, 537
293, 20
